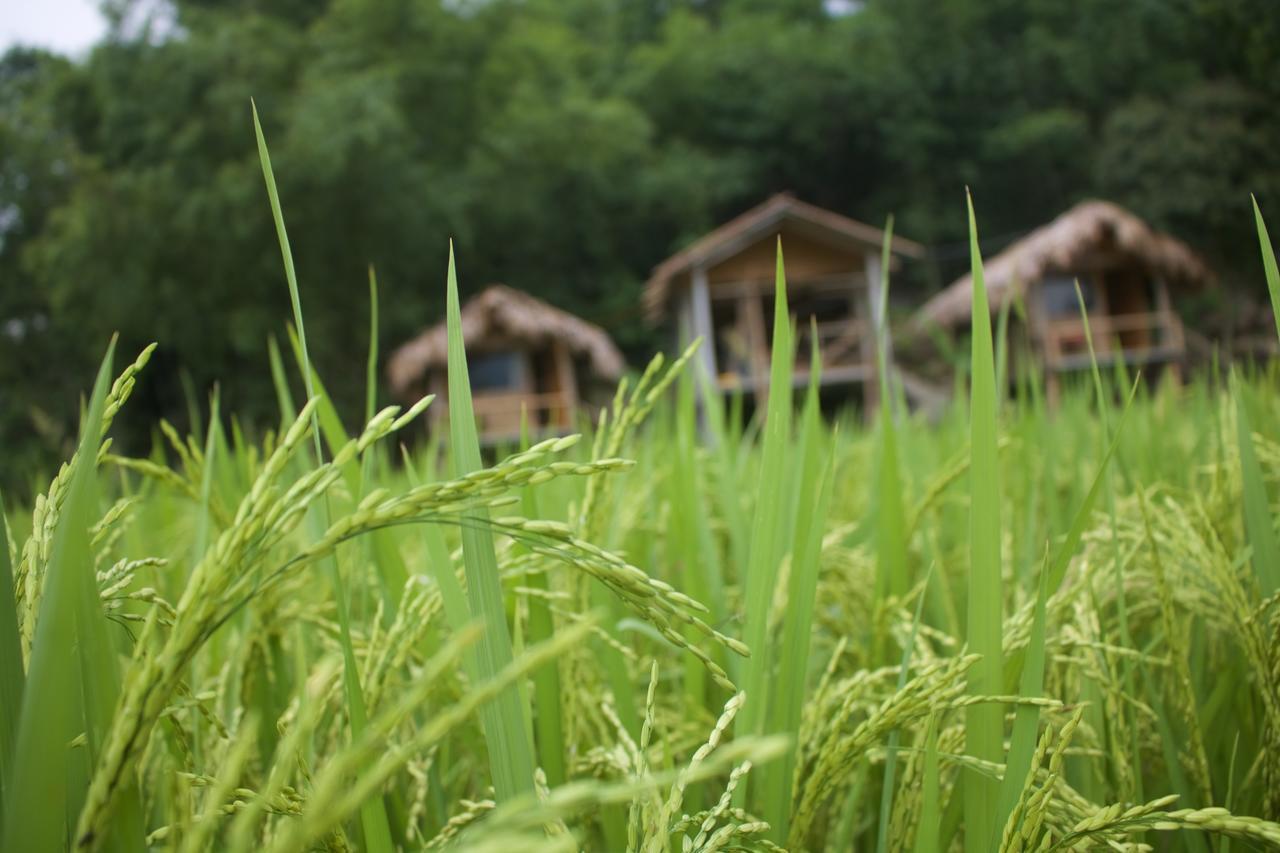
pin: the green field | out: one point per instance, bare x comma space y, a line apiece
1012, 629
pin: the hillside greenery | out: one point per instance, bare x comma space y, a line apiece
567, 146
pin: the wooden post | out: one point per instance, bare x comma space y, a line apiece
568, 383
752, 320
700, 314
1105, 343
879, 331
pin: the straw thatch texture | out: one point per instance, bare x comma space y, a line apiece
501, 313
1066, 245
762, 221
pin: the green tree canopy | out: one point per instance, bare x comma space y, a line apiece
566, 146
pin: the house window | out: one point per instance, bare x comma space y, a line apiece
497, 371
1058, 296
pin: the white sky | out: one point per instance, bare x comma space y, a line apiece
67, 26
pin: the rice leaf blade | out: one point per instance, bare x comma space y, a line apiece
1257, 508
984, 722
510, 753
12, 676
373, 815
764, 553
1268, 263
930, 818
57, 702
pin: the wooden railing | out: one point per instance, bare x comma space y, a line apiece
841, 344
498, 415
1141, 337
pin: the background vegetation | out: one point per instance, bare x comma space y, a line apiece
567, 146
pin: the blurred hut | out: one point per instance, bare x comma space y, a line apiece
523, 355
721, 288
1128, 275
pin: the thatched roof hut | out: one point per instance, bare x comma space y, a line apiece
503, 316
721, 289
1124, 270
1089, 235
530, 364
782, 213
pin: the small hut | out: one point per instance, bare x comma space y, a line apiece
1127, 271
523, 355
721, 288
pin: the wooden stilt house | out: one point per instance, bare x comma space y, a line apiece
523, 356
721, 288
1128, 275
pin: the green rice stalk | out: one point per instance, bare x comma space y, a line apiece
12, 676
284, 397
1268, 263
1130, 771
930, 819
373, 816
72, 675
813, 501
891, 751
1026, 718
1257, 508
510, 753
984, 723
548, 717
765, 552
1184, 688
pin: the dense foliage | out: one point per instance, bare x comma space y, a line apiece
566, 146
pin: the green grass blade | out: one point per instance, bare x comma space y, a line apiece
510, 754
814, 500
284, 397
1062, 557
371, 363
548, 719
211, 445
328, 423
984, 723
1257, 508
1268, 264
765, 550
1026, 719
373, 816
930, 818
380, 547
11, 674
58, 703
1122, 606
891, 752
453, 598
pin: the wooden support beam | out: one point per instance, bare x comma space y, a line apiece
752, 321
567, 379
880, 332
700, 314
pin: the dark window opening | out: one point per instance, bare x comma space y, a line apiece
1058, 296
496, 371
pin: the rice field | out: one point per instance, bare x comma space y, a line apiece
1011, 629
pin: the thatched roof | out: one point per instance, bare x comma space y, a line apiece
1066, 245
766, 220
501, 313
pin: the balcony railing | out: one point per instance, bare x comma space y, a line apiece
841, 346
498, 414
1139, 338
